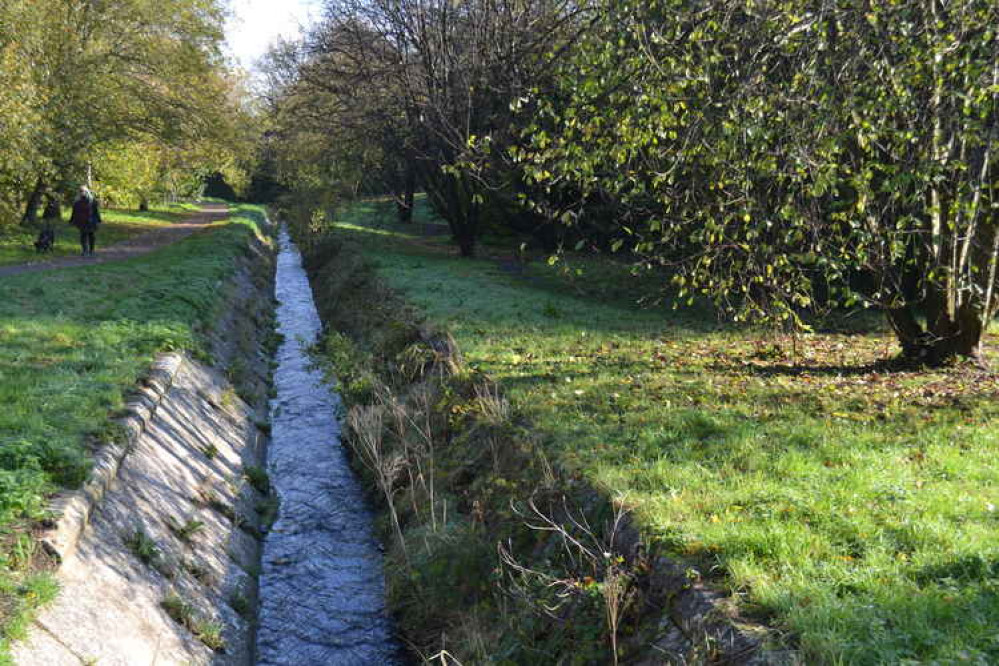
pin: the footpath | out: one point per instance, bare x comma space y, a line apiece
134, 247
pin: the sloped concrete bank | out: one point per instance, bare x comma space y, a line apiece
476, 571
159, 551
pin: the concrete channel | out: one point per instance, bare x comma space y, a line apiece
322, 596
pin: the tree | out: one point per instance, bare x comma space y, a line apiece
79, 77
417, 93
19, 103
783, 157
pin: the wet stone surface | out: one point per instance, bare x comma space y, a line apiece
321, 584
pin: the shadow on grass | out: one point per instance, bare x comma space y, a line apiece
479, 286
895, 365
973, 567
883, 366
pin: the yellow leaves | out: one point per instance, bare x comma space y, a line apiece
861, 203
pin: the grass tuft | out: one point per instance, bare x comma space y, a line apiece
187, 531
258, 478
206, 630
143, 547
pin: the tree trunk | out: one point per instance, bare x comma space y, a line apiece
908, 331
469, 231
143, 205
34, 203
466, 244
944, 339
452, 201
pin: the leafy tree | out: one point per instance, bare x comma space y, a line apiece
19, 104
782, 157
398, 94
81, 78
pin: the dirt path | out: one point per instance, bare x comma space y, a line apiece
133, 247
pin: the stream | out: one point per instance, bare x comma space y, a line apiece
322, 590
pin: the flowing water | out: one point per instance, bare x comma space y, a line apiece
321, 584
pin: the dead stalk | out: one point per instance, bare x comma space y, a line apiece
587, 553
367, 424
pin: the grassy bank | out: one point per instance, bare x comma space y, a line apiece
17, 243
72, 342
847, 502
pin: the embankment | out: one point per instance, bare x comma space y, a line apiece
159, 549
495, 552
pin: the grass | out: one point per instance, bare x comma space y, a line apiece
72, 342
851, 503
17, 243
186, 531
241, 604
258, 478
143, 547
206, 630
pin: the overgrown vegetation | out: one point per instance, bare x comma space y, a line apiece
844, 499
72, 342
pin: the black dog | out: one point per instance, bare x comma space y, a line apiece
46, 240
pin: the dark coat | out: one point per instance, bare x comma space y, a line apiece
82, 214
86, 214
95, 214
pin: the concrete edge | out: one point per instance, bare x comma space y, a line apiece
71, 510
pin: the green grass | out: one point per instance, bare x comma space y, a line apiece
72, 342
17, 243
853, 505
206, 630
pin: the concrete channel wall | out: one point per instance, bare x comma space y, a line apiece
159, 552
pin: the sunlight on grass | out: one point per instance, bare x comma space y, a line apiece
72, 341
17, 243
849, 502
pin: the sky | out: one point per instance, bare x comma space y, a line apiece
256, 24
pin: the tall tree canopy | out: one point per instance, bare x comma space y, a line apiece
79, 78
780, 156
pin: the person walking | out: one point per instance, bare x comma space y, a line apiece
86, 217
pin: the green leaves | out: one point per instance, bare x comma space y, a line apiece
779, 160
77, 78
